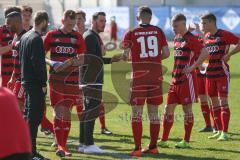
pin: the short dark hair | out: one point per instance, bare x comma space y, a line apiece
96, 14
82, 13
69, 14
39, 17
210, 17
143, 10
14, 14
10, 9
26, 8
179, 17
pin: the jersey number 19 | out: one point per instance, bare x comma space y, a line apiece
152, 45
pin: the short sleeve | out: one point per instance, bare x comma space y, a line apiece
230, 38
81, 44
195, 45
163, 39
126, 42
47, 41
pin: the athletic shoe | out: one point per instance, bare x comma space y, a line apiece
81, 148
38, 156
215, 130
206, 129
68, 154
60, 153
136, 153
223, 137
150, 150
215, 136
105, 131
182, 144
163, 144
46, 131
92, 149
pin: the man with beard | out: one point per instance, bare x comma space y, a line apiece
34, 75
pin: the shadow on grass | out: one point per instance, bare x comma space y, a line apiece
219, 150
144, 156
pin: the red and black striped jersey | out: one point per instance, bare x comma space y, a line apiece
16, 56
218, 46
146, 42
62, 47
6, 38
186, 49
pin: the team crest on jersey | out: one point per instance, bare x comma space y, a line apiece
183, 44
218, 39
73, 40
57, 40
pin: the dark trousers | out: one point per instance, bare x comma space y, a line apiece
92, 102
34, 108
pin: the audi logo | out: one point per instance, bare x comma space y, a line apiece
212, 49
62, 49
178, 53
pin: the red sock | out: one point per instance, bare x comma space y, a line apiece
102, 116
225, 117
217, 117
137, 131
79, 110
188, 124
168, 120
66, 129
57, 126
206, 114
46, 124
213, 121
154, 131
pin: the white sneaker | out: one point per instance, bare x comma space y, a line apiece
81, 148
93, 149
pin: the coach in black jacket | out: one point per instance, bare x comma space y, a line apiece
34, 75
91, 76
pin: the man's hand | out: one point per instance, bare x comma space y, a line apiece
78, 61
187, 70
44, 89
117, 58
57, 66
226, 58
10, 84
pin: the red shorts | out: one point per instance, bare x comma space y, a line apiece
184, 93
151, 93
217, 87
201, 82
65, 95
18, 90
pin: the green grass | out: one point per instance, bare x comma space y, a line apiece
120, 144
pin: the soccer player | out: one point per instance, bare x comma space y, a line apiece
6, 38
34, 75
113, 30
206, 107
64, 43
80, 26
147, 46
26, 17
217, 42
183, 89
14, 23
15, 137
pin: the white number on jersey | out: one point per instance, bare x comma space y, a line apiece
152, 45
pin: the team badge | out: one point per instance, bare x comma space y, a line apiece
73, 40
